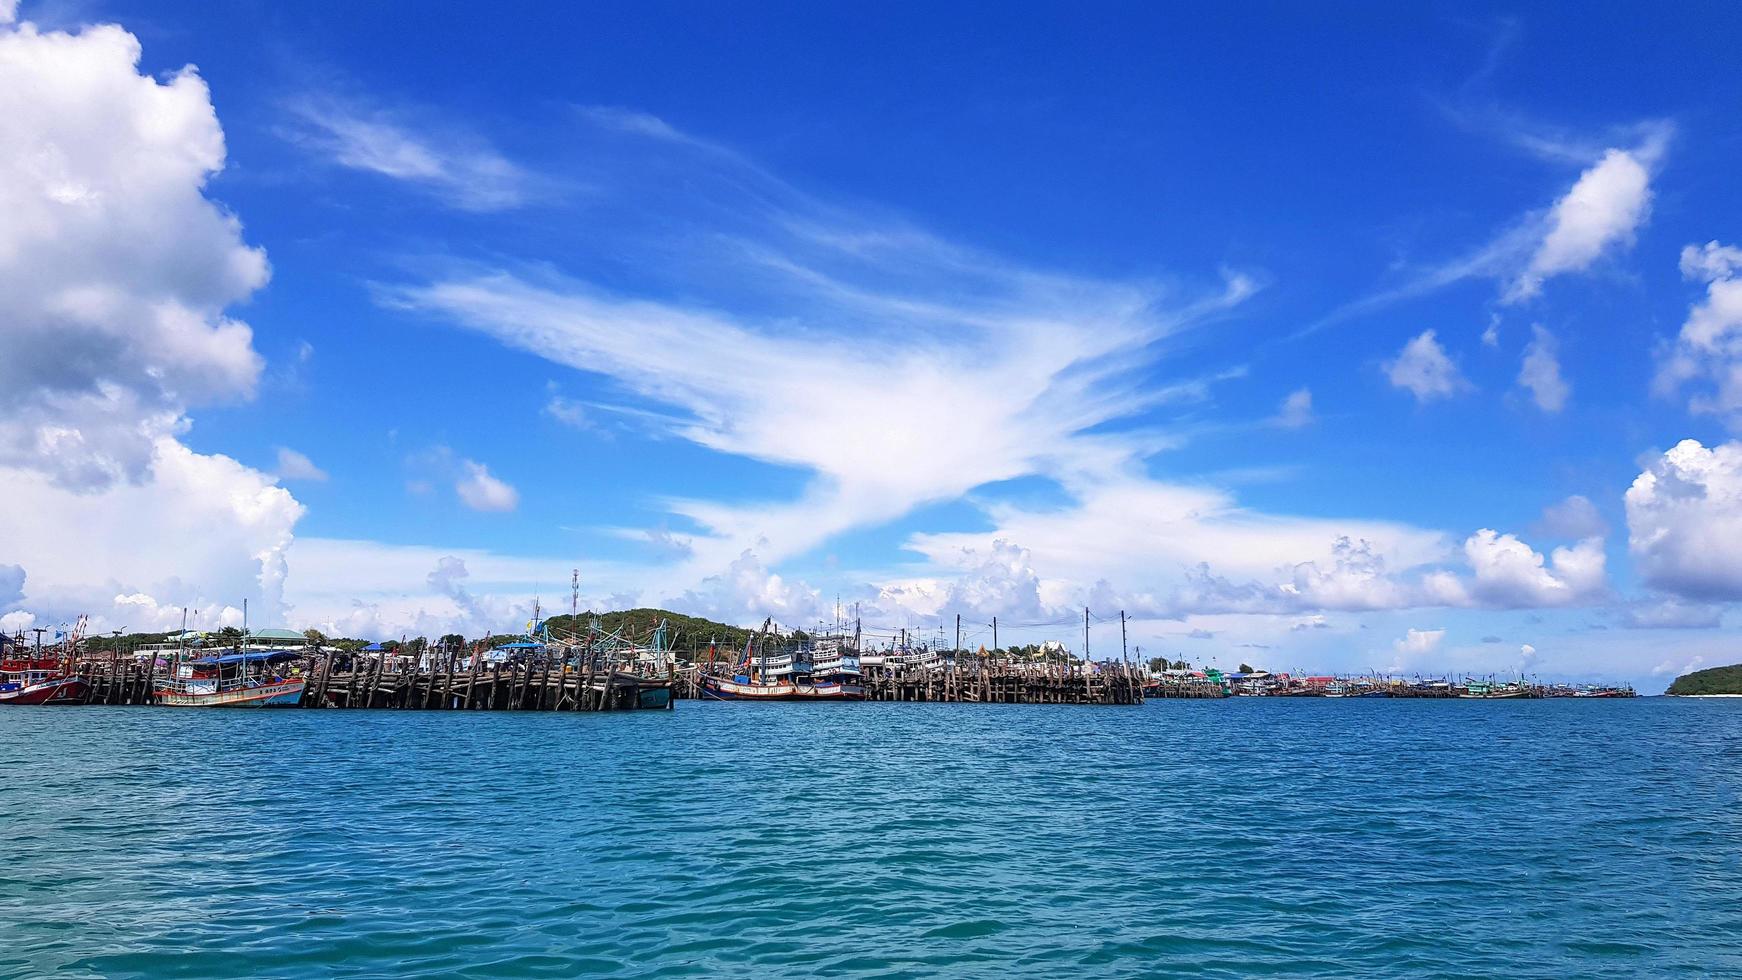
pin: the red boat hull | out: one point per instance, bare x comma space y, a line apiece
59, 690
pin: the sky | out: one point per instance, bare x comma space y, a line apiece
1407, 338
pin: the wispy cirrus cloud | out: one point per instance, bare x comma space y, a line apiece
460, 168
1599, 214
893, 367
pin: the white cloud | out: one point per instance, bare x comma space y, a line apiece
461, 169
293, 465
1416, 642
1297, 409
8, 11
203, 531
920, 350
1604, 208
1574, 517
16, 622
1509, 574
1709, 347
1541, 372
1423, 369
1670, 668
115, 268
481, 491
1491, 335
567, 411
1684, 517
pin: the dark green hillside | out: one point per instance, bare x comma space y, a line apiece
1712, 680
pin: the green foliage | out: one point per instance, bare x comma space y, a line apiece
1245, 668
1712, 680
315, 637
688, 635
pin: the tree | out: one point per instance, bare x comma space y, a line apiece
315, 636
1245, 668
452, 641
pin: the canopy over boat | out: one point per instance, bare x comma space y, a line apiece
251, 657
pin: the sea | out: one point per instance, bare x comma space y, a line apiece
1247, 837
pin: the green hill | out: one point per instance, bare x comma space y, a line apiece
1712, 680
689, 635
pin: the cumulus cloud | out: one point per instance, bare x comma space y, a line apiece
997, 581
1604, 209
746, 590
1709, 346
115, 268
459, 168
293, 465
202, 531
479, 490
1297, 409
1541, 372
1510, 574
1684, 513
1423, 369
115, 271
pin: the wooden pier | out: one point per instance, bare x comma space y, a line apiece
974, 684
375, 684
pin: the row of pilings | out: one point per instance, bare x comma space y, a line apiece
375, 683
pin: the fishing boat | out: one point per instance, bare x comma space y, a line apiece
40, 681
243, 679
37, 677
826, 671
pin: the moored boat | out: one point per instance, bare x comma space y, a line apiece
40, 682
233, 680
826, 671
36, 677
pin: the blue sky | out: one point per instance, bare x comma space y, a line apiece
1331, 342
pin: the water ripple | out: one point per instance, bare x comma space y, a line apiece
1293, 837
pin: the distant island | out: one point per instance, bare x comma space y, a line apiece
1712, 680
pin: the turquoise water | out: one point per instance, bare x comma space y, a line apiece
1297, 837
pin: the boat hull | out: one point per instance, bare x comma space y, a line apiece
721, 689
60, 690
284, 694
